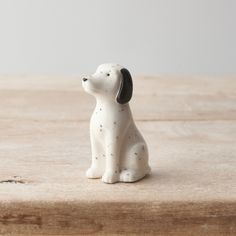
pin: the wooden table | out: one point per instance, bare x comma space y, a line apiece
189, 125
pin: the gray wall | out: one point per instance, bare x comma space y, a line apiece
72, 37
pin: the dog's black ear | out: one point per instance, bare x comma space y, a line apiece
126, 88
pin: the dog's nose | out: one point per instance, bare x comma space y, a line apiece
85, 79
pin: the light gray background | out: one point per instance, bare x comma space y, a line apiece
69, 37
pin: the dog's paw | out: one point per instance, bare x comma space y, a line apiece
93, 173
131, 175
110, 177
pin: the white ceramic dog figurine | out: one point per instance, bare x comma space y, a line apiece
119, 152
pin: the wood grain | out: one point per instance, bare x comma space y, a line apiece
190, 128
152, 218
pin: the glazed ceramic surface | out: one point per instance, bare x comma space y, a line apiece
119, 151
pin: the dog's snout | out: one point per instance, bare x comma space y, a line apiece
85, 79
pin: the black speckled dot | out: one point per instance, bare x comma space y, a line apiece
101, 126
103, 155
114, 122
96, 158
100, 109
100, 130
136, 153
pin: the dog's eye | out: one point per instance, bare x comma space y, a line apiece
108, 74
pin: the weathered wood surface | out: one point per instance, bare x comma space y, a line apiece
190, 128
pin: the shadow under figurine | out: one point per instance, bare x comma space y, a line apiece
119, 152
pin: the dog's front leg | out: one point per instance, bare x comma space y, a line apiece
112, 170
96, 170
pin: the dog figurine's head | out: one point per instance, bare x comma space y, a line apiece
110, 81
